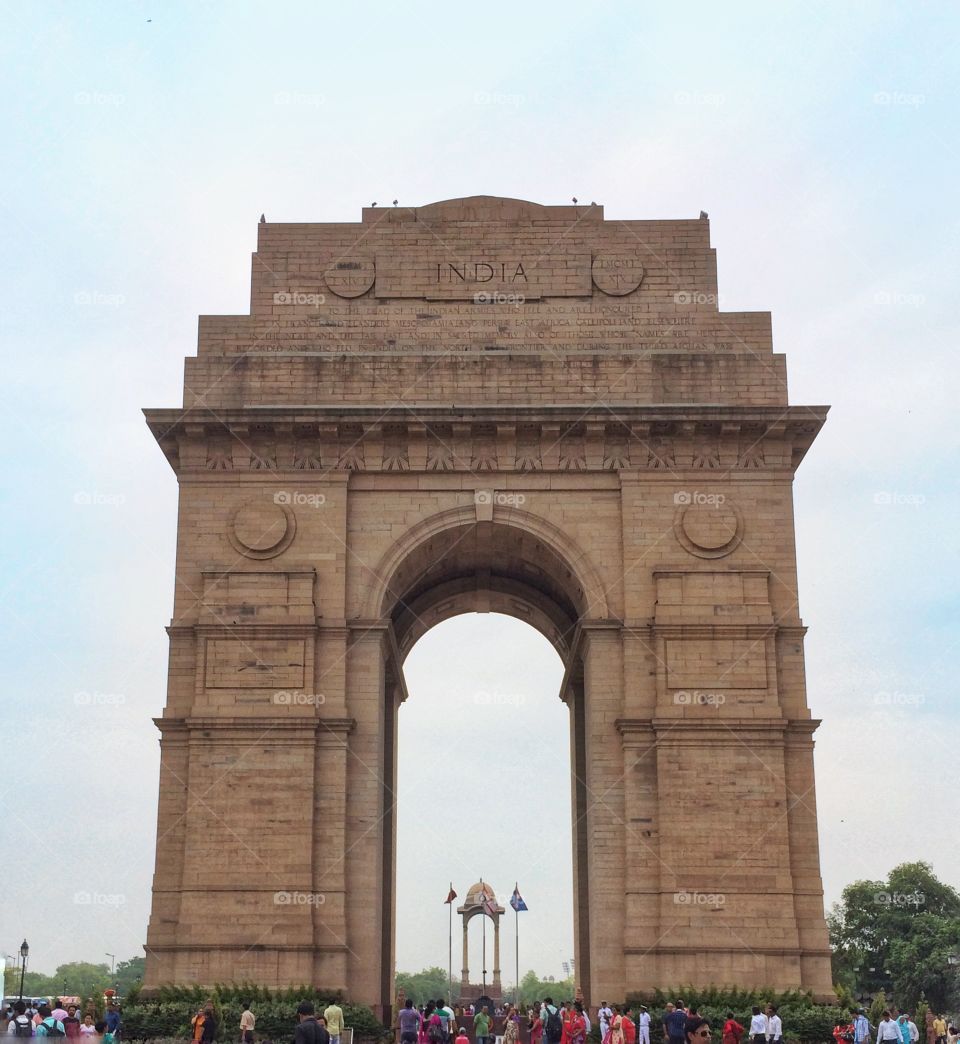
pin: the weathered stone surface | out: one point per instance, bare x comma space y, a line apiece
487, 404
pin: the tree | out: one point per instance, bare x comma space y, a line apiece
877, 1008
534, 988
128, 974
35, 984
895, 935
429, 984
80, 978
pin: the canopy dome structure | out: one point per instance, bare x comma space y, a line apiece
476, 894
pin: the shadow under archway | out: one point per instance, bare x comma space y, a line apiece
483, 792
517, 564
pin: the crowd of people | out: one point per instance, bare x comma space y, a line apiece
311, 1027
436, 1022
23, 1018
569, 1023
896, 1028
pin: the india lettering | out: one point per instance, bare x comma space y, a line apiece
481, 272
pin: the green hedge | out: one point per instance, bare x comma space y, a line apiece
803, 1020
167, 1014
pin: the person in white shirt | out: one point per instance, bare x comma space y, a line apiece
758, 1027
774, 1025
888, 1030
604, 1015
21, 1019
644, 1021
914, 1032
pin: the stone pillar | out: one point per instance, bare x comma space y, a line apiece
171, 831
578, 805
329, 848
804, 859
642, 863
465, 974
370, 820
604, 826
496, 952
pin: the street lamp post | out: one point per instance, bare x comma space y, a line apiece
112, 957
24, 954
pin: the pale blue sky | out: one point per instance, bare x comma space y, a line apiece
141, 143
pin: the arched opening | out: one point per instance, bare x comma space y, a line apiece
511, 564
484, 792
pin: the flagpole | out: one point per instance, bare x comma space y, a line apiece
450, 955
516, 936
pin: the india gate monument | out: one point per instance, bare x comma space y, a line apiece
487, 405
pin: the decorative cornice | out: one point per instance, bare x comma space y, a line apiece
334, 440
718, 730
187, 947
244, 725
766, 951
725, 630
256, 630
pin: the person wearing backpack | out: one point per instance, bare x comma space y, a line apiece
552, 1023
48, 1025
446, 1020
20, 1025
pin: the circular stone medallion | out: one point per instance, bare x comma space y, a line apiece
262, 528
617, 274
709, 530
350, 276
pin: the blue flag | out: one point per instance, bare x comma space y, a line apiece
516, 901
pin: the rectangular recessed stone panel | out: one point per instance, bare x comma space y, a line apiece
475, 270
695, 663
232, 663
252, 588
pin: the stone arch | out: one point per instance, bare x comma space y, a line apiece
456, 561
517, 563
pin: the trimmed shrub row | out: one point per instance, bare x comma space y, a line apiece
168, 1013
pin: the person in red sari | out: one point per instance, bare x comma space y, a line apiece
628, 1026
536, 1027
732, 1030
577, 1025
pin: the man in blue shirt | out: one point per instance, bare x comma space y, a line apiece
113, 1020
675, 1024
